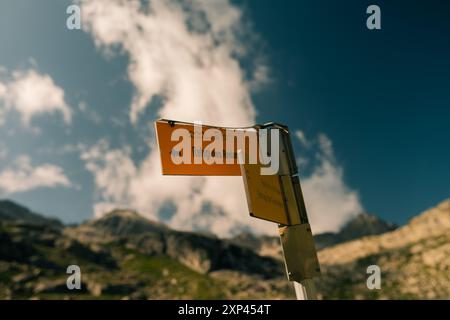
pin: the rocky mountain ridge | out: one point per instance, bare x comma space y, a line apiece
414, 260
362, 225
199, 252
124, 255
433, 222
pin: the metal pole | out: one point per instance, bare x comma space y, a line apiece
300, 259
296, 237
305, 290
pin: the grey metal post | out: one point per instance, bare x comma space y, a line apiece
305, 290
296, 237
304, 287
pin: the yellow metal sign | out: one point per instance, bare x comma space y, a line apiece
199, 157
270, 197
264, 194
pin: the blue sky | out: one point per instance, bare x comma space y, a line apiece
369, 110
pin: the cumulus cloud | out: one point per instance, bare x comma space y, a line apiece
182, 51
31, 93
24, 177
329, 201
185, 55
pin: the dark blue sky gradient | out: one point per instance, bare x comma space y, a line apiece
382, 96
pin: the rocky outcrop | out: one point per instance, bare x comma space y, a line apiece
199, 252
362, 225
414, 261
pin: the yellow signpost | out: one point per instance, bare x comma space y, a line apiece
266, 196
276, 197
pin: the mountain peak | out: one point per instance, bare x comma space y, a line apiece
125, 222
364, 224
123, 213
432, 223
9, 210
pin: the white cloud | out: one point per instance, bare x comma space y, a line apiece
2, 90
329, 201
194, 71
185, 53
24, 177
31, 94
300, 135
113, 170
302, 162
326, 147
121, 183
